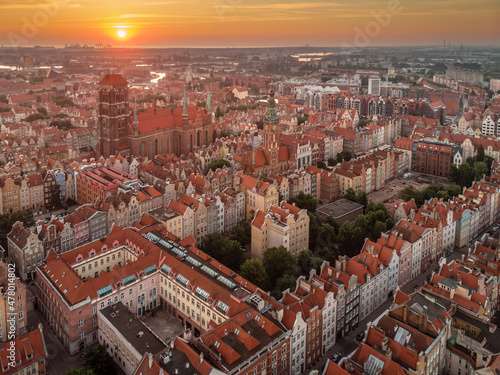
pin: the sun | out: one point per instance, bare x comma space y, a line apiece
121, 33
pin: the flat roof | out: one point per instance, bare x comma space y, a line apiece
339, 208
130, 327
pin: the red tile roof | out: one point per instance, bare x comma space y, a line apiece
113, 79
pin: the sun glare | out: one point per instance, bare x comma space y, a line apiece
121, 33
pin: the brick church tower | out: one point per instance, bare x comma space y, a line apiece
272, 132
113, 114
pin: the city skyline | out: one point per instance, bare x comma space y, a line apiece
240, 23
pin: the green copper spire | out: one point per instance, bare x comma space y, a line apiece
185, 112
136, 122
253, 158
209, 102
171, 99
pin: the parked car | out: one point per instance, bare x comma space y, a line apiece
337, 357
360, 336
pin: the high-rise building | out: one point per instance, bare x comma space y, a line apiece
374, 85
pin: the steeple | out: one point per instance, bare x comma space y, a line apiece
185, 111
209, 102
271, 112
136, 122
171, 99
253, 158
154, 103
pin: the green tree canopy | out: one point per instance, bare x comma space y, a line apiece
306, 201
226, 251
285, 282
279, 262
63, 101
97, 359
219, 163
253, 270
80, 371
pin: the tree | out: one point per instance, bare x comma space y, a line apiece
345, 239
243, 234
62, 101
285, 282
42, 110
3, 99
80, 371
480, 153
279, 262
362, 198
321, 164
97, 359
226, 251
62, 124
327, 235
480, 170
332, 162
313, 231
350, 194
55, 195
306, 201
218, 163
306, 261
253, 270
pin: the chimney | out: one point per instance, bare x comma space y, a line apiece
201, 358
385, 343
388, 353
150, 358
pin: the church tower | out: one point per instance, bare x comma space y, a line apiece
272, 131
113, 114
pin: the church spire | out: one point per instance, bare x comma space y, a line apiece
185, 111
171, 99
209, 102
271, 111
136, 122
253, 158
154, 103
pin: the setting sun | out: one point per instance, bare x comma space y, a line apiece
121, 33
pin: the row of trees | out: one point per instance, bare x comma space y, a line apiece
446, 192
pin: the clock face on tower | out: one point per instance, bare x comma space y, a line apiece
266, 128
275, 127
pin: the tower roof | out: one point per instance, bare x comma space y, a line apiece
271, 112
113, 79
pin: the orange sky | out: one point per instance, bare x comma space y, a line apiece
214, 23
